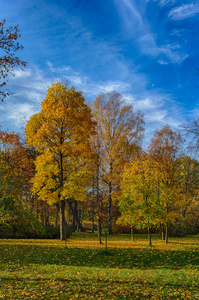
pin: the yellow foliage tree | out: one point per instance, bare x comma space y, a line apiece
165, 149
140, 199
61, 133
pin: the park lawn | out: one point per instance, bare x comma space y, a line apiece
82, 269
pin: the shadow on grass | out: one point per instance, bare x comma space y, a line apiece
116, 258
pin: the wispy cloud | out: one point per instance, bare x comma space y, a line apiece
133, 16
29, 88
129, 13
184, 11
173, 51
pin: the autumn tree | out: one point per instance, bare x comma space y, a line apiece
120, 134
140, 199
165, 148
9, 45
16, 170
61, 132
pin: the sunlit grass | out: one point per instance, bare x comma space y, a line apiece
80, 269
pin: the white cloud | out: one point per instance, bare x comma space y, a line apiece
162, 62
184, 11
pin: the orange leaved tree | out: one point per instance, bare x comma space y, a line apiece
61, 132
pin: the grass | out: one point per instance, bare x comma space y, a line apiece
47, 269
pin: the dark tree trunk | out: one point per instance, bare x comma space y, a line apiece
166, 233
93, 223
56, 215
99, 230
46, 217
76, 225
149, 235
62, 220
132, 234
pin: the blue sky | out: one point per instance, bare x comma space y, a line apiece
148, 50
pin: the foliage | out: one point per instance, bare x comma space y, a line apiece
9, 44
16, 170
19, 223
52, 232
61, 133
140, 199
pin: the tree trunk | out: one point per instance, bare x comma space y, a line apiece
99, 226
166, 233
62, 220
110, 225
149, 235
132, 234
76, 225
162, 231
99, 230
110, 229
93, 223
74, 211
56, 215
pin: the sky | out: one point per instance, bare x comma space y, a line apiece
147, 50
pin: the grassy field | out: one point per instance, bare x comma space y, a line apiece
48, 269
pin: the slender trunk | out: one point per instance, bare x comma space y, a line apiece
149, 235
37, 209
132, 234
99, 230
166, 227
99, 227
46, 218
105, 240
110, 225
75, 212
162, 231
56, 215
166, 233
62, 220
110, 230
93, 222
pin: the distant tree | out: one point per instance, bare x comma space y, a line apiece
9, 45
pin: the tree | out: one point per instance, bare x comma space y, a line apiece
61, 132
140, 201
165, 149
9, 44
16, 170
120, 134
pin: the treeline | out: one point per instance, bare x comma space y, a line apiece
82, 167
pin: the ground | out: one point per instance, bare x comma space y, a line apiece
83, 269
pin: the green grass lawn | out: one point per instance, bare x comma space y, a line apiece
47, 269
